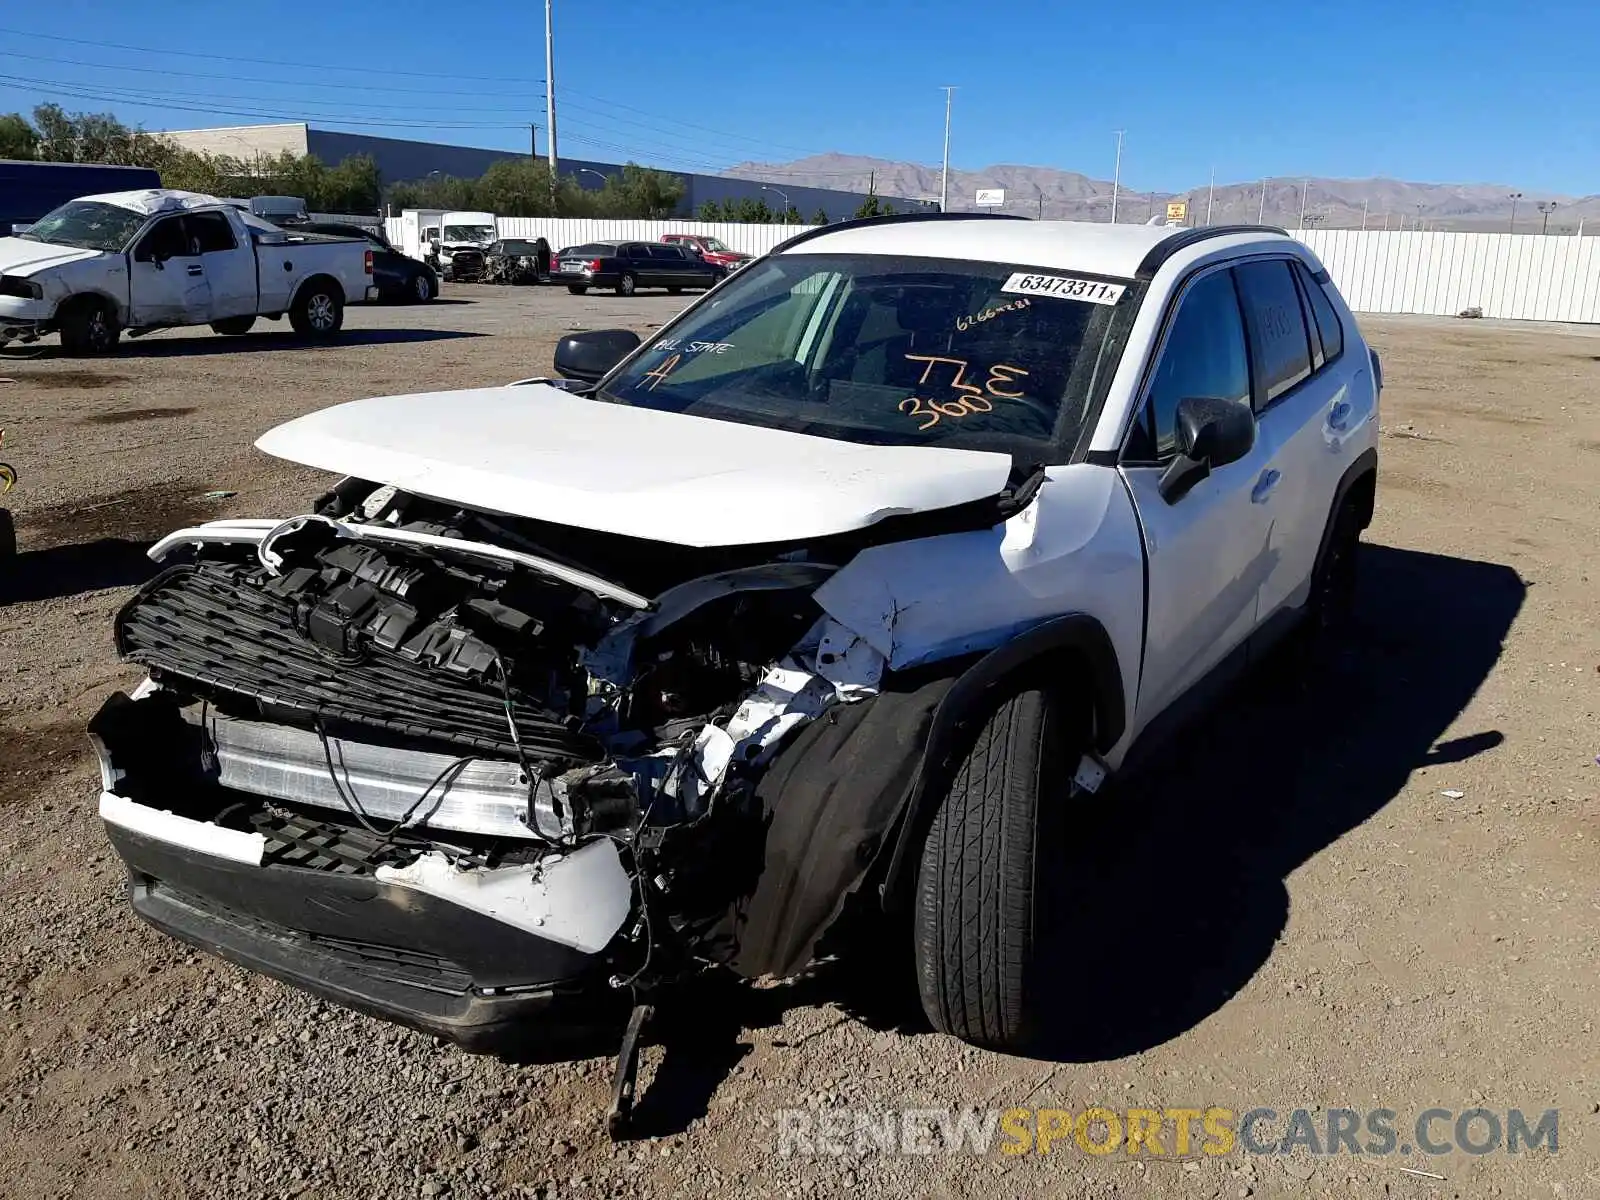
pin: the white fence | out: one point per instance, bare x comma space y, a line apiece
1519, 276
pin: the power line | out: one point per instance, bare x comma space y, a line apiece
265, 62
356, 87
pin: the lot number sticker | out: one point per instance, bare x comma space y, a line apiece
1065, 286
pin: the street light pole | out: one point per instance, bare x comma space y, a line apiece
1305, 189
944, 176
1515, 196
1546, 207
785, 195
550, 92
1211, 194
1116, 177
1261, 211
1364, 204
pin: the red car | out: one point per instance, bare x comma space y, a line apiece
713, 250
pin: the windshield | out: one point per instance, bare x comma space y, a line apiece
469, 233
87, 224
886, 350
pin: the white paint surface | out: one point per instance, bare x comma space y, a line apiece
579, 900
200, 836
537, 451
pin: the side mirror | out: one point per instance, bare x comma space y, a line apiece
1212, 432
589, 356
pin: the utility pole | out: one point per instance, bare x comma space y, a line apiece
533, 140
1211, 194
1514, 197
1116, 176
1364, 204
550, 92
1261, 212
1305, 189
1546, 207
944, 176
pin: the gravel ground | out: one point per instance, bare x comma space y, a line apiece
1375, 888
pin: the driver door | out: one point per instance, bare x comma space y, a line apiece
167, 278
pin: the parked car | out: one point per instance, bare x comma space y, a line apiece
714, 250
398, 276
153, 259
628, 266
851, 589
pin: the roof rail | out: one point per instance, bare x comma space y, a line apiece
1167, 247
889, 219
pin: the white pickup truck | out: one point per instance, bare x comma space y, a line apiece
153, 259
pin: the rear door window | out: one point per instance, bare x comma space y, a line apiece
1329, 327
210, 232
1279, 343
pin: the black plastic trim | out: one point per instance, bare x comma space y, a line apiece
1162, 251
887, 219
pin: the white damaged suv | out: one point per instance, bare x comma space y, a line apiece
829, 596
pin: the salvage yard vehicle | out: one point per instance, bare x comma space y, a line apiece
464, 238
628, 266
155, 259
714, 250
839, 594
511, 260
396, 275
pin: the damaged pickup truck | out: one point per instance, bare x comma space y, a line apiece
834, 596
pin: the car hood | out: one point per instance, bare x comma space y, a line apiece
538, 451
19, 256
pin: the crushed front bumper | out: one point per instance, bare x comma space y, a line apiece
377, 948
509, 958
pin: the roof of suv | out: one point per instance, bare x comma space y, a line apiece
1095, 248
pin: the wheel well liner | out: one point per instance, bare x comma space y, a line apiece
868, 773
79, 299
309, 280
1358, 485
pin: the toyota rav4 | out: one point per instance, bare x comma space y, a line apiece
825, 599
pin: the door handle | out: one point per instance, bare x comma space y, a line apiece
1267, 480
1339, 417
197, 270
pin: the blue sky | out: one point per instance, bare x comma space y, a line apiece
1462, 92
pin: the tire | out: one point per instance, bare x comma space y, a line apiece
89, 327
422, 289
1333, 583
986, 883
233, 325
318, 309
577, 289
627, 285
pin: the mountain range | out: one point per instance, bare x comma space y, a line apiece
1068, 195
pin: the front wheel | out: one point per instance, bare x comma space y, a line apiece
89, 327
627, 285
233, 325
988, 877
318, 311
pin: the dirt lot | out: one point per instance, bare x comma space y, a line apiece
1302, 913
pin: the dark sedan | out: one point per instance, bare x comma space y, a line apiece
397, 277
629, 266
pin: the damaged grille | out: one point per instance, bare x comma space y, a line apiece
212, 625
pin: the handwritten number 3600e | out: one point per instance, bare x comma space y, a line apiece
976, 399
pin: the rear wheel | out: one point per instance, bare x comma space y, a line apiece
423, 288
990, 876
577, 289
1333, 586
88, 327
318, 311
233, 325
627, 285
